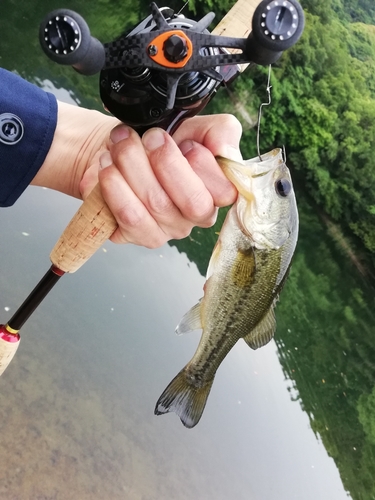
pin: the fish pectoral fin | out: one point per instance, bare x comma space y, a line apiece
244, 267
191, 320
213, 260
263, 332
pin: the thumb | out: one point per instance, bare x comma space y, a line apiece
90, 177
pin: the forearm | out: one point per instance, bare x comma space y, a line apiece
27, 126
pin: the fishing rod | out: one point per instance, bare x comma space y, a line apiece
164, 70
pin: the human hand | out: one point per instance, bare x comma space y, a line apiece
159, 187
155, 194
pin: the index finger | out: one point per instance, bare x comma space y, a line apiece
220, 134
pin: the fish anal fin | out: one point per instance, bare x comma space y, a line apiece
263, 332
191, 320
184, 399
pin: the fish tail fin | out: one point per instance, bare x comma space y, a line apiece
186, 400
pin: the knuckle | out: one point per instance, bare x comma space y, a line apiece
225, 194
169, 160
121, 155
208, 223
159, 202
132, 231
124, 151
181, 232
198, 207
128, 216
155, 243
126, 236
230, 121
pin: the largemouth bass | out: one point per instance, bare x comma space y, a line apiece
246, 273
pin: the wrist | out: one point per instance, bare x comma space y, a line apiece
80, 133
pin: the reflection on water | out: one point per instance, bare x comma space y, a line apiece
290, 421
77, 401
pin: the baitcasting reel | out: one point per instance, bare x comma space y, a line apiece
168, 67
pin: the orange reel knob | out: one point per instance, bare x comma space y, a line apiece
172, 49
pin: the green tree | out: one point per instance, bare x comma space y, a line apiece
366, 412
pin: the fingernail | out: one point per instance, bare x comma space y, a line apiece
153, 139
119, 133
105, 160
186, 146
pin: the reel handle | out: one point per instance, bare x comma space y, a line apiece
276, 26
65, 38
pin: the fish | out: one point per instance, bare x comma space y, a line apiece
246, 273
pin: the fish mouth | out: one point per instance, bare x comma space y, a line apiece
242, 173
269, 161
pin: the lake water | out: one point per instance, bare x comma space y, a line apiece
293, 420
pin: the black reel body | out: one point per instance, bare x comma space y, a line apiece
168, 67
139, 95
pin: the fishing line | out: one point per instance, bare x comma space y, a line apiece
182, 8
269, 87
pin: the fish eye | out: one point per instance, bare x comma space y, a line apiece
283, 187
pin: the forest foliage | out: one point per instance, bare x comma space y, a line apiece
323, 111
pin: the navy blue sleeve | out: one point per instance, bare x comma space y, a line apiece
28, 117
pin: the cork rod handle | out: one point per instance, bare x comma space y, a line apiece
93, 223
89, 228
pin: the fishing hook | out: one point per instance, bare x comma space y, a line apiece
284, 154
269, 87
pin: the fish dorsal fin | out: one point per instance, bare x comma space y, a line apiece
263, 332
191, 320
